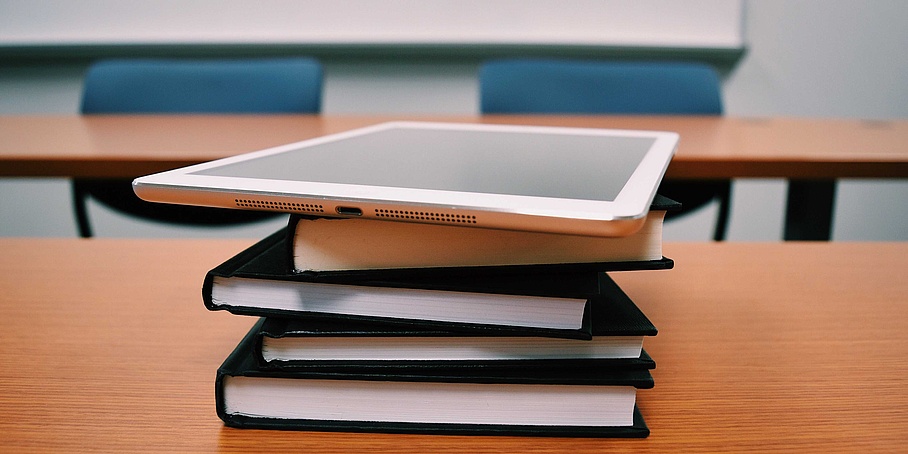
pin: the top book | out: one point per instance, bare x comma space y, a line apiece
353, 245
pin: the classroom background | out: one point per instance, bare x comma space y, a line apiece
802, 58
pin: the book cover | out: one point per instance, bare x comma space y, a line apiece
618, 330
256, 282
331, 245
585, 401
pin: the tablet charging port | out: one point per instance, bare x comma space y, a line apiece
349, 211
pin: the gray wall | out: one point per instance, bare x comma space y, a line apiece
842, 58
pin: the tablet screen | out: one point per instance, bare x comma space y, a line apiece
582, 181
587, 167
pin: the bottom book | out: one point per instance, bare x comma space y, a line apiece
580, 401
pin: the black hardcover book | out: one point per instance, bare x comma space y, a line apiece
549, 300
618, 330
257, 282
347, 246
581, 401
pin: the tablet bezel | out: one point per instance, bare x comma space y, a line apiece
620, 217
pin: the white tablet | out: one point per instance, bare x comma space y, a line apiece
580, 181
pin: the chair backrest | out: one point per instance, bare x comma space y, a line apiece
605, 87
280, 85
161, 86
534, 86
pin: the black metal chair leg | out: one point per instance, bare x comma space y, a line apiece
722, 217
80, 210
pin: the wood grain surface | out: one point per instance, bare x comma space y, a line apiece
711, 147
105, 346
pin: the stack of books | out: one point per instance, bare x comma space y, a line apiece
384, 326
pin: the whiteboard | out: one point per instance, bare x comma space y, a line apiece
709, 24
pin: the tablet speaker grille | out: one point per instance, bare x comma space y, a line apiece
280, 206
443, 218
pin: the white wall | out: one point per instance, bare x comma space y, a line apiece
841, 58
818, 58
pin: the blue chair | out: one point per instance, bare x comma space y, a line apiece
526, 86
253, 86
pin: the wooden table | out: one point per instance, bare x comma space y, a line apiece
800, 347
811, 153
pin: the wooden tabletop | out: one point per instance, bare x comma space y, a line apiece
801, 347
711, 147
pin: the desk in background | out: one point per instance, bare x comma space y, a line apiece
811, 153
105, 346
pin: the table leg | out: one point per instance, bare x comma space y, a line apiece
810, 210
